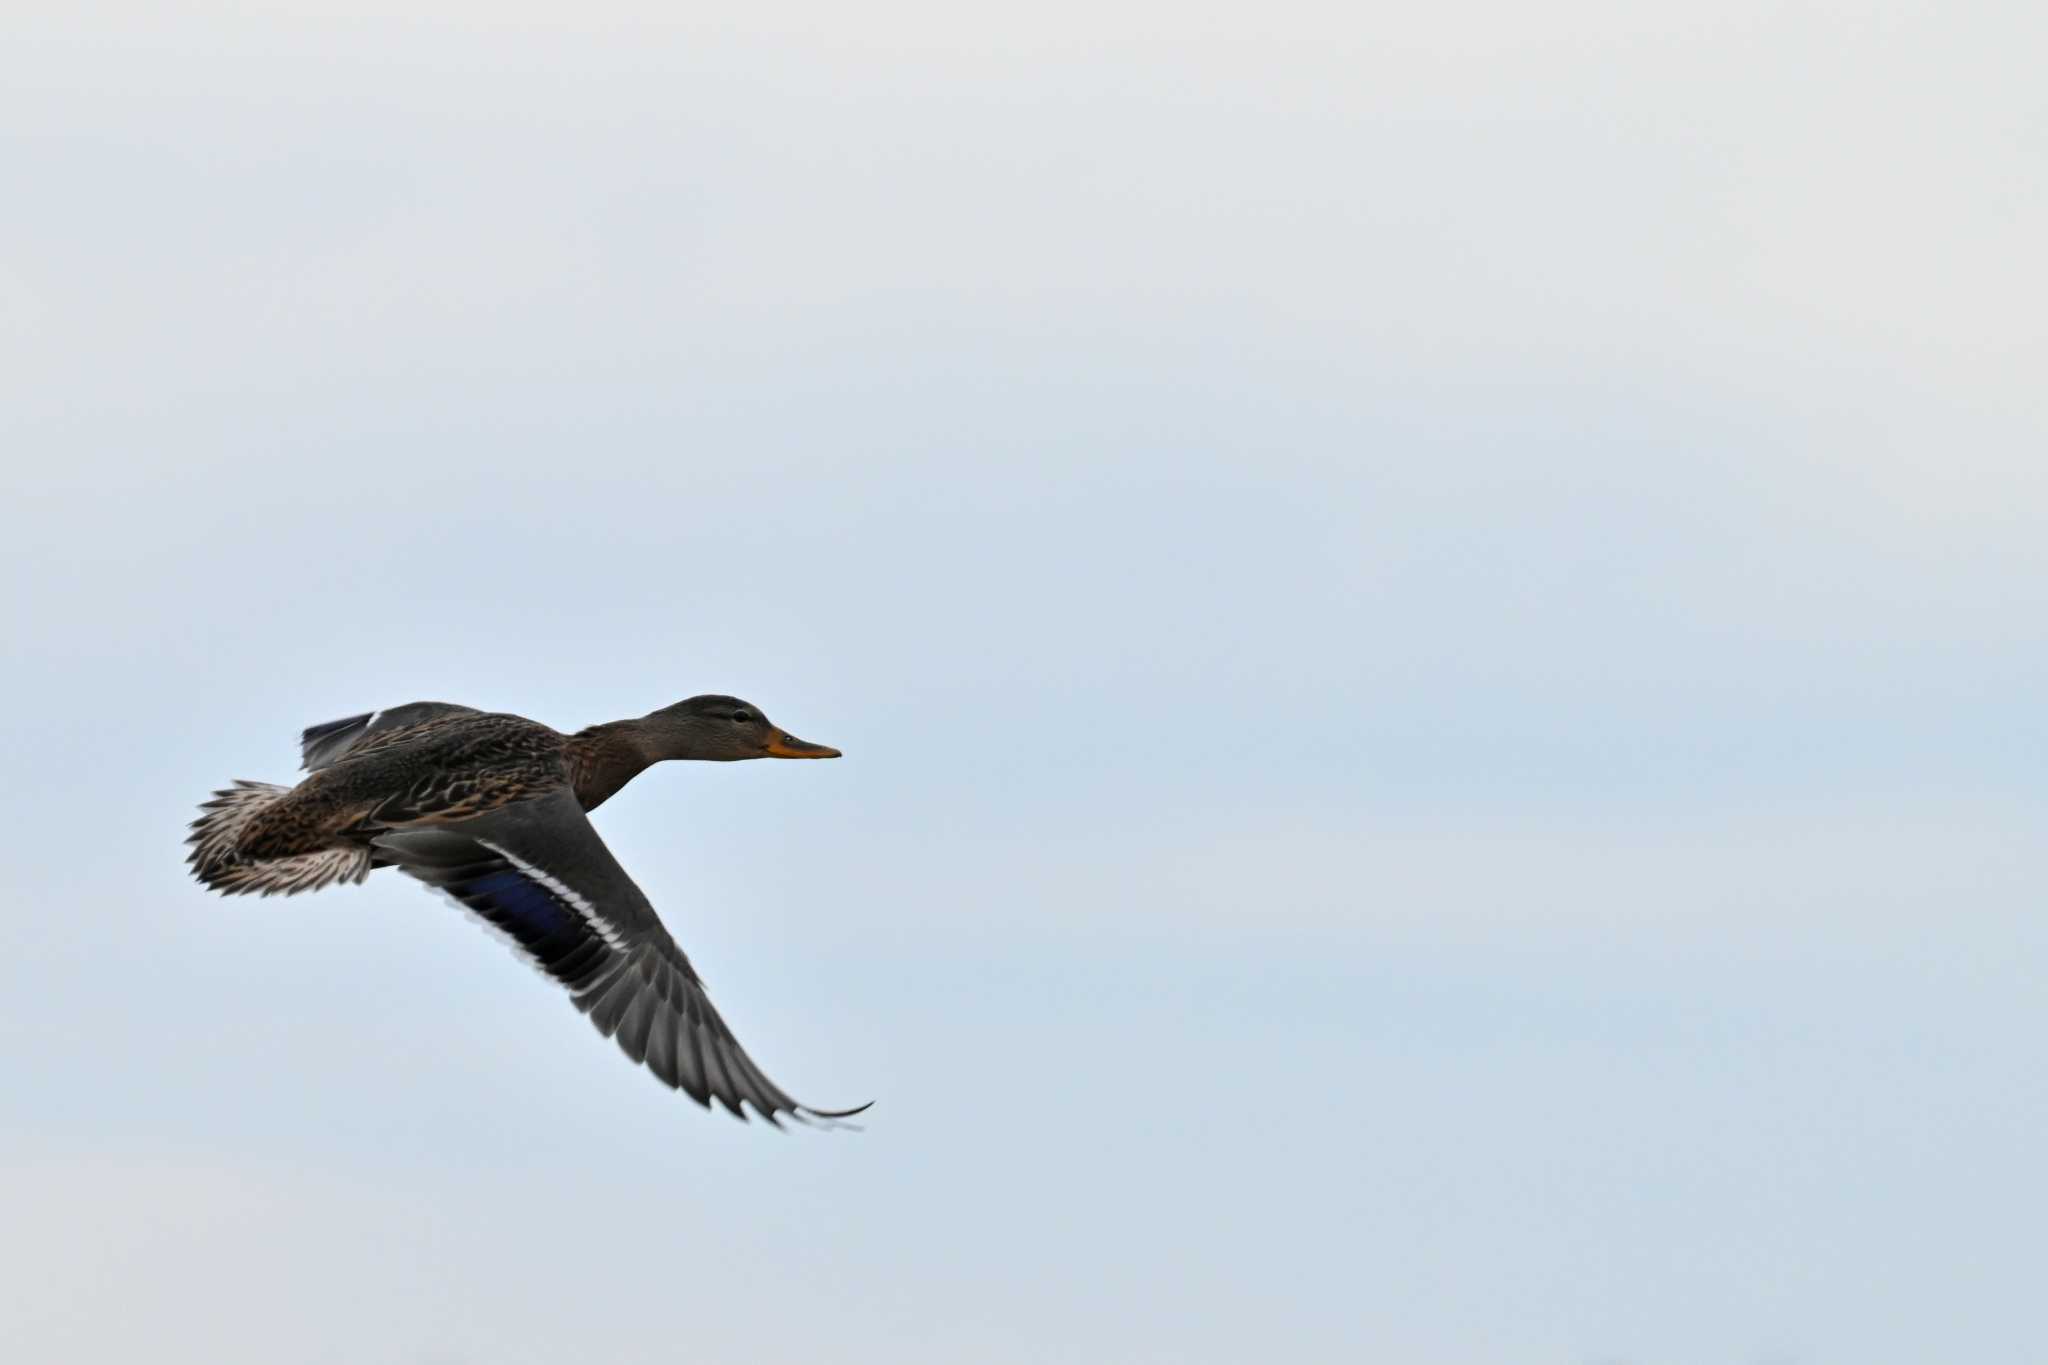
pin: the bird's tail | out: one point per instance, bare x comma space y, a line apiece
217, 861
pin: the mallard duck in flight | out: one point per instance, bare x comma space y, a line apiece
491, 810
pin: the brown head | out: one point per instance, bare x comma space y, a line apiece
722, 729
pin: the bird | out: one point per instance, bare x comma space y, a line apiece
492, 810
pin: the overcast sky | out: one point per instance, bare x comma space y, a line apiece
1436, 614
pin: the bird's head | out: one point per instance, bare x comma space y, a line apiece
722, 729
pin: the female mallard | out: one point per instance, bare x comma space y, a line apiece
489, 808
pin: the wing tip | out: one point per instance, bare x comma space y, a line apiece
837, 1113
831, 1119
823, 1119
328, 727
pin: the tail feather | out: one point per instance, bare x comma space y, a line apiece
216, 862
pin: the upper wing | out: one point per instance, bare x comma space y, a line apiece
321, 745
537, 872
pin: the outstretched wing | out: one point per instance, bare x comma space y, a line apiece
537, 872
320, 745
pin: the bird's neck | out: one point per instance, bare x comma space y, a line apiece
606, 757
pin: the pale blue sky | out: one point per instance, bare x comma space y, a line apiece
1437, 622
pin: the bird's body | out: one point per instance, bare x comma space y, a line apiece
491, 809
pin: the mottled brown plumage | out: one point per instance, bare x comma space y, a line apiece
449, 768
490, 808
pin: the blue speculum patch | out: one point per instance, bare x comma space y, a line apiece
525, 908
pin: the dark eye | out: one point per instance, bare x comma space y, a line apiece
743, 716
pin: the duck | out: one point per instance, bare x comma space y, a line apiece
493, 811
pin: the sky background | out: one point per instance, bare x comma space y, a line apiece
1437, 619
